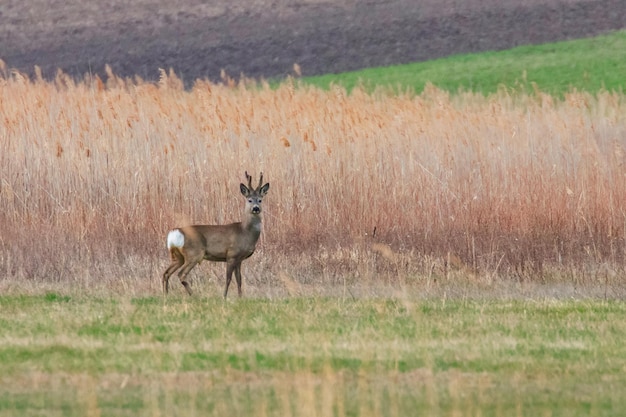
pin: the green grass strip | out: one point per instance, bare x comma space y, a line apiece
585, 65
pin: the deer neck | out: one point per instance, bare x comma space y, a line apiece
252, 224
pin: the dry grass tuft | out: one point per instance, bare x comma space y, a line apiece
511, 186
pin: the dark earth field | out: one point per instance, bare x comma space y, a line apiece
264, 38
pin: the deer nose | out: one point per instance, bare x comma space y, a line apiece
256, 209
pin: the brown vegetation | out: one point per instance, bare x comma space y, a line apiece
513, 186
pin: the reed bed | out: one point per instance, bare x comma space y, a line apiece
367, 189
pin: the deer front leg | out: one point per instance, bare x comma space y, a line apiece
238, 277
230, 267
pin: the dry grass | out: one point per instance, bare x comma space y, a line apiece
486, 188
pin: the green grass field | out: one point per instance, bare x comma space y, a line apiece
62, 355
584, 64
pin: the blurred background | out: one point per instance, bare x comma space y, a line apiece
265, 38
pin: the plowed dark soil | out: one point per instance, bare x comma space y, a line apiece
264, 38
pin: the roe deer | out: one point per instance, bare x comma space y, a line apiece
230, 243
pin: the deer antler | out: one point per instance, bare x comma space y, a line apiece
260, 181
249, 178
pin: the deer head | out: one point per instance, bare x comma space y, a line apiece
254, 196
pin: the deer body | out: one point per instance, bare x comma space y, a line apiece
230, 243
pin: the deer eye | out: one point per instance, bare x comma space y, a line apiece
249, 200
260, 201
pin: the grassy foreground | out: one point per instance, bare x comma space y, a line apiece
86, 355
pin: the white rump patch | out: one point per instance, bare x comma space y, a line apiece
175, 239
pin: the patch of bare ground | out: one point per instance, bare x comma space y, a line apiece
265, 38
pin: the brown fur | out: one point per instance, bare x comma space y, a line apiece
231, 243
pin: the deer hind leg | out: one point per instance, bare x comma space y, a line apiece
182, 275
192, 257
177, 261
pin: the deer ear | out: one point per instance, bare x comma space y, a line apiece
244, 190
264, 189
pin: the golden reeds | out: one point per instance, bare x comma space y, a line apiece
94, 173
